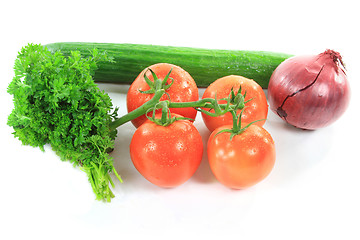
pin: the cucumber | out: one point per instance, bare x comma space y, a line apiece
204, 65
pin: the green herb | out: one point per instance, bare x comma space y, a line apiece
56, 102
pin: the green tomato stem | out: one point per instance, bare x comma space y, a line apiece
202, 103
236, 122
139, 111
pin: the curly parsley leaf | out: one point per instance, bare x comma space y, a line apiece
56, 102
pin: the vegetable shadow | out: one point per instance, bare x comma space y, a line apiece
203, 174
111, 88
297, 150
121, 153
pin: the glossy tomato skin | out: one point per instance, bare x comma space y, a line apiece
183, 89
166, 156
256, 109
243, 161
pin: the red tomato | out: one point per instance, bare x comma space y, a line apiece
243, 161
256, 109
183, 89
166, 156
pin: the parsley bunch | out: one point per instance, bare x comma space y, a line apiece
56, 102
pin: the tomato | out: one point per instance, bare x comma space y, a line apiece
183, 89
243, 161
256, 109
166, 156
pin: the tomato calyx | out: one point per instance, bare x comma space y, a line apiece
238, 99
157, 84
237, 128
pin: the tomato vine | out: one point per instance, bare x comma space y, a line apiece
234, 101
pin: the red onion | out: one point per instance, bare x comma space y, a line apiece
310, 92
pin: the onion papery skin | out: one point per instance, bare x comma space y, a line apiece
310, 92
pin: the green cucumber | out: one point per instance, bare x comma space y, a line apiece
204, 65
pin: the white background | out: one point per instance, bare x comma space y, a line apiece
312, 192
